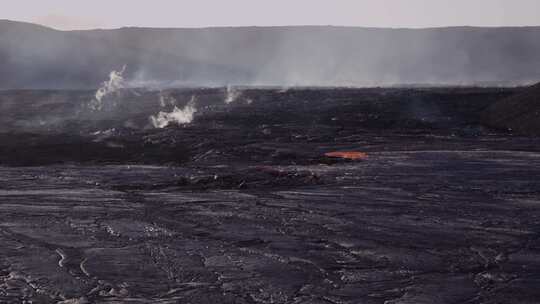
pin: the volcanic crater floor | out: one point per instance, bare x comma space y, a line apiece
401, 227
259, 215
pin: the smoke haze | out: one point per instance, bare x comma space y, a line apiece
33, 56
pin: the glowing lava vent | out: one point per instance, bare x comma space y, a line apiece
352, 155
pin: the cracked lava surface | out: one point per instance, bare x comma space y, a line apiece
423, 219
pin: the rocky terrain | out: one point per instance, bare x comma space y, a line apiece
520, 112
248, 202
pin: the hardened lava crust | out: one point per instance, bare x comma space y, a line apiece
268, 195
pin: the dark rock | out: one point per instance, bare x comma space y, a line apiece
519, 113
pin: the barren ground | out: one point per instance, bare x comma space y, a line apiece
242, 206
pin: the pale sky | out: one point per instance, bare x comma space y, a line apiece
85, 14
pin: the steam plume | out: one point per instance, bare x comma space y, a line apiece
116, 82
165, 100
232, 94
178, 116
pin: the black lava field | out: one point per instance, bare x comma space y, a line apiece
244, 203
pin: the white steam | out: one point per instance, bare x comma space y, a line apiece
178, 116
232, 94
165, 100
116, 82
162, 101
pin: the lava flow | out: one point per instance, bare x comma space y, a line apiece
352, 155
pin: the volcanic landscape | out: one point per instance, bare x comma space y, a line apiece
267, 195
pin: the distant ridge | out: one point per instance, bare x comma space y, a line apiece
34, 56
23, 23
6, 22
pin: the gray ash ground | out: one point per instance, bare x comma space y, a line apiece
242, 206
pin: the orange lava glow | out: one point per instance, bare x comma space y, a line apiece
348, 155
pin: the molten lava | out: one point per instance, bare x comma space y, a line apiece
348, 155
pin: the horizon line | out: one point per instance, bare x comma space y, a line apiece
275, 26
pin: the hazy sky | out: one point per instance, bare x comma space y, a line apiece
82, 14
